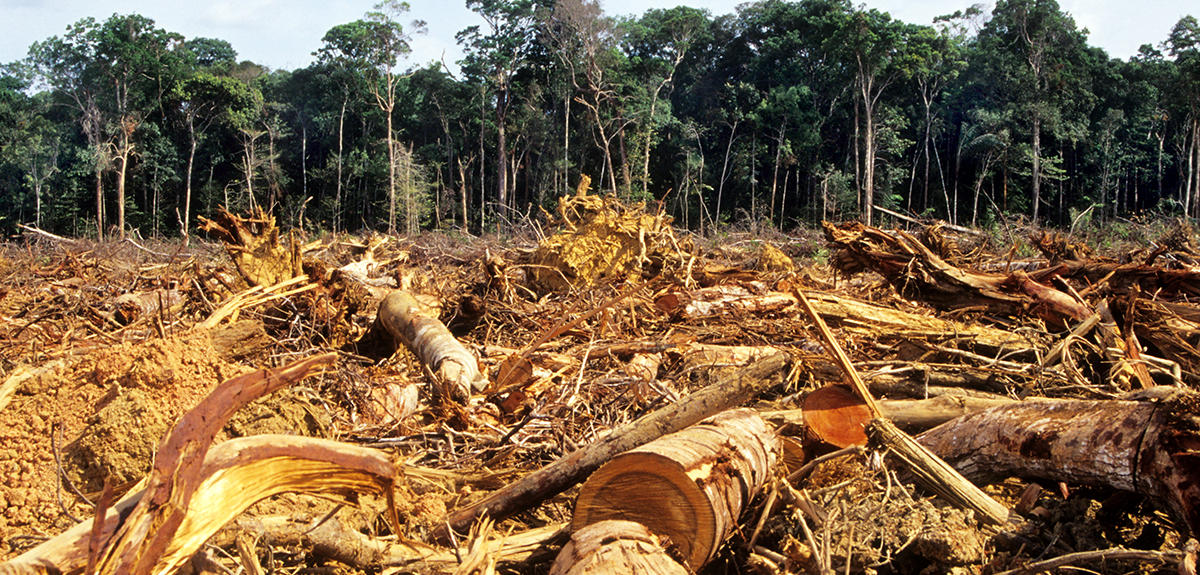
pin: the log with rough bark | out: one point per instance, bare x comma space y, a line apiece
1148, 447
615, 546
558, 476
918, 273
455, 368
690, 486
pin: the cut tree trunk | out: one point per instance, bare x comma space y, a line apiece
689, 486
615, 547
455, 368
918, 273
558, 476
1147, 447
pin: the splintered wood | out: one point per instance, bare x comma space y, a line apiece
617, 397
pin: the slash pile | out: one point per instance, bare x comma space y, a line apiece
617, 397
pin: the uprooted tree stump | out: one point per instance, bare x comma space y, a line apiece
615, 546
918, 273
254, 245
1147, 447
689, 486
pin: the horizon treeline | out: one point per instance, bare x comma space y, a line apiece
783, 113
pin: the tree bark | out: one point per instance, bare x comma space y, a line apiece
1140, 446
689, 486
456, 369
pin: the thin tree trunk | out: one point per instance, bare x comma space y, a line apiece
725, 169
1037, 165
337, 194
502, 155
187, 185
391, 170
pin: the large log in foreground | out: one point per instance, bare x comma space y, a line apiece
574, 467
1148, 447
689, 486
615, 546
455, 368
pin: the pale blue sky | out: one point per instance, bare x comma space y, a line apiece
284, 33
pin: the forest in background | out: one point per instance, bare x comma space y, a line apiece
780, 114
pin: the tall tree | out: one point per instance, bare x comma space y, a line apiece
114, 74
1036, 48
376, 44
877, 45
494, 57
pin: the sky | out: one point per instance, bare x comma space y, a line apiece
282, 34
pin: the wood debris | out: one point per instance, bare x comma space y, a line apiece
615, 396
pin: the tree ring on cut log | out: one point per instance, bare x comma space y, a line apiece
837, 415
688, 487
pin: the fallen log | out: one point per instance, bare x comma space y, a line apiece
455, 369
918, 273
857, 316
1147, 447
615, 546
912, 415
570, 469
689, 486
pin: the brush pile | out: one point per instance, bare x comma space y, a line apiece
619, 397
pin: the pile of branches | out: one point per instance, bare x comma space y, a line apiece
671, 413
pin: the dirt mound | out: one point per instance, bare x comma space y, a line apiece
98, 415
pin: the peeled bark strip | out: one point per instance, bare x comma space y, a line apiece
236, 474
556, 477
177, 472
935, 473
1140, 446
689, 486
615, 547
456, 369
918, 273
